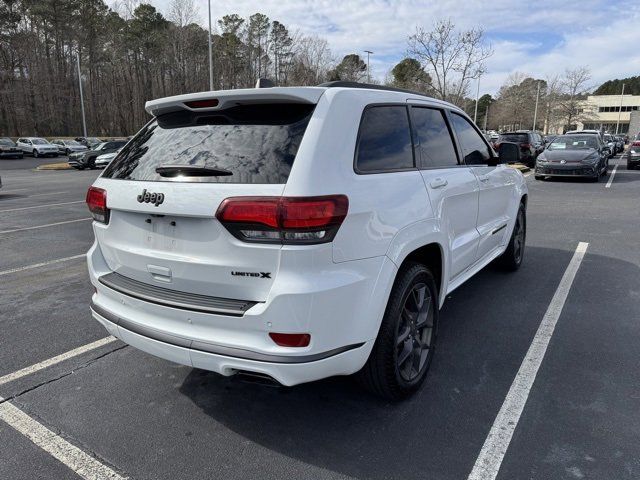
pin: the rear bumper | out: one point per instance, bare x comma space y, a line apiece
289, 373
342, 316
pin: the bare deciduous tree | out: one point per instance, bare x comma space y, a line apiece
451, 57
574, 85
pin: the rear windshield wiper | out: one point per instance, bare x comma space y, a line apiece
191, 171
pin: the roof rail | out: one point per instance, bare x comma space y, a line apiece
371, 86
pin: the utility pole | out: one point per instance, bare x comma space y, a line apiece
535, 112
620, 111
368, 52
210, 52
84, 121
475, 115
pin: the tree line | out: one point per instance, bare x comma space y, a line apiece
129, 55
132, 53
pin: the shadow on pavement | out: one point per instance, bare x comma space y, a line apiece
486, 328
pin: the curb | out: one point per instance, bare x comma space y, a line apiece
54, 166
520, 166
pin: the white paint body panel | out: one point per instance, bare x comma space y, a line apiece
337, 291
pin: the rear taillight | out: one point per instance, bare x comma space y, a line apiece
97, 203
285, 220
635, 144
291, 339
525, 145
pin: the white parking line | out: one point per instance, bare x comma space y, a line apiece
613, 174
14, 190
57, 359
497, 442
40, 206
44, 226
71, 456
45, 194
41, 264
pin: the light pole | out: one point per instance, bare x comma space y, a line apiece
535, 112
475, 114
620, 111
84, 121
210, 52
368, 52
486, 115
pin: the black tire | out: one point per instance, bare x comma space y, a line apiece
91, 164
511, 259
67, 152
35, 153
539, 177
405, 344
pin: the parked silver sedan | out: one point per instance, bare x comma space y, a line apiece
66, 146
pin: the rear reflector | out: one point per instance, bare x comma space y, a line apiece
97, 203
291, 339
525, 145
209, 103
286, 220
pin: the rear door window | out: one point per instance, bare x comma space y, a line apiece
433, 138
474, 148
384, 140
257, 143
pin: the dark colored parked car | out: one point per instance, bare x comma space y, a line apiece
573, 156
633, 155
531, 144
87, 159
9, 149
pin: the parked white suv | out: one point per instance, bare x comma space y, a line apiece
36, 146
299, 233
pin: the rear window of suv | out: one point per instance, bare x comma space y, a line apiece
515, 137
257, 143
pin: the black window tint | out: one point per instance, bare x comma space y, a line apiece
257, 143
474, 149
384, 140
433, 136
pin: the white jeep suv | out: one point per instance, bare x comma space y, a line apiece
299, 233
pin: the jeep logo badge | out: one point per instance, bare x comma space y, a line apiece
148, 197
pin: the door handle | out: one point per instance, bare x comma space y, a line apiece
483, 178
438, 183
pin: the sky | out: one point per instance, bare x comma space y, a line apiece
538, 38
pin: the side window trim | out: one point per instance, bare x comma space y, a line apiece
416, 144
411, 136
491, 151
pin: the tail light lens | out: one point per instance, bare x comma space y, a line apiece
97, 203
284, 220
525, 145
208, 103
635, 144
291, 339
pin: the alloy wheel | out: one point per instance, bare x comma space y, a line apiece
414, 339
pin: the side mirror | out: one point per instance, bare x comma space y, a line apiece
508, 152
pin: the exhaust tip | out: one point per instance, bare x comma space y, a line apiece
257, 378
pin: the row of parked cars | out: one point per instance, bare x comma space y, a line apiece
83, 152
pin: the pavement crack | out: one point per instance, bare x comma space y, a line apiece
62, 375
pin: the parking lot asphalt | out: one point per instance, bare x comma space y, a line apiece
146, 418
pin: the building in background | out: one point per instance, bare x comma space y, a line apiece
604, 111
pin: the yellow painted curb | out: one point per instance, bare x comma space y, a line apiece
55, 166
520, 166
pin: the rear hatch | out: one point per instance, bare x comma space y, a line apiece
162, 227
